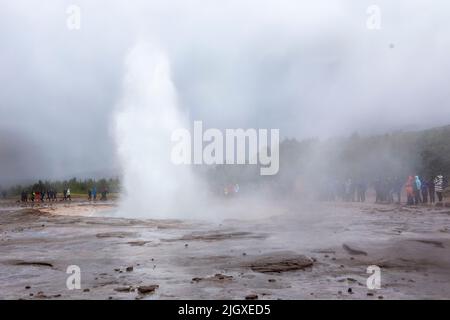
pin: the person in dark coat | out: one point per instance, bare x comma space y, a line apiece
424, 190
431, 190
361, 188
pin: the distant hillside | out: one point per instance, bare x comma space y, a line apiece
311, 162
425, 153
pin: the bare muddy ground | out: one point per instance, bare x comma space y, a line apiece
313, 251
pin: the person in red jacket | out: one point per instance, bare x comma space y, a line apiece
409, 188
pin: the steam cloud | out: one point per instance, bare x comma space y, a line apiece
147, 116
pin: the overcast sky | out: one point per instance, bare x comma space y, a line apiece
309, 68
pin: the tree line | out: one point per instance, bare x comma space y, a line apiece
80, 186
312, 162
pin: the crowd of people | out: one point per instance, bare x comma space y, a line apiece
389, 190
92, 194
42, 196
418, 190
231, 190
423, 191
52, 195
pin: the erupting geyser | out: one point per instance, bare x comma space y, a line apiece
147, 115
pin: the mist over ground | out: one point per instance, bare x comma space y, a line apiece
309, 69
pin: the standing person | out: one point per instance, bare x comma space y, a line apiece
104, 192
42, 196
409, 188
352, 190
377, 187
89, 194
390, 190
431, 190
68, 194
385, 189
424, 190
398, 188
439, 186
65, 194
94, 193
349, 190
32, 196
361, 188
417, 187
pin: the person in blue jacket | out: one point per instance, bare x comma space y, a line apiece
94, 193
417, 188
424, 190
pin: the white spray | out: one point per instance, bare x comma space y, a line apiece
153, 186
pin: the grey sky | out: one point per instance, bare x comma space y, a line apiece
310, 68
